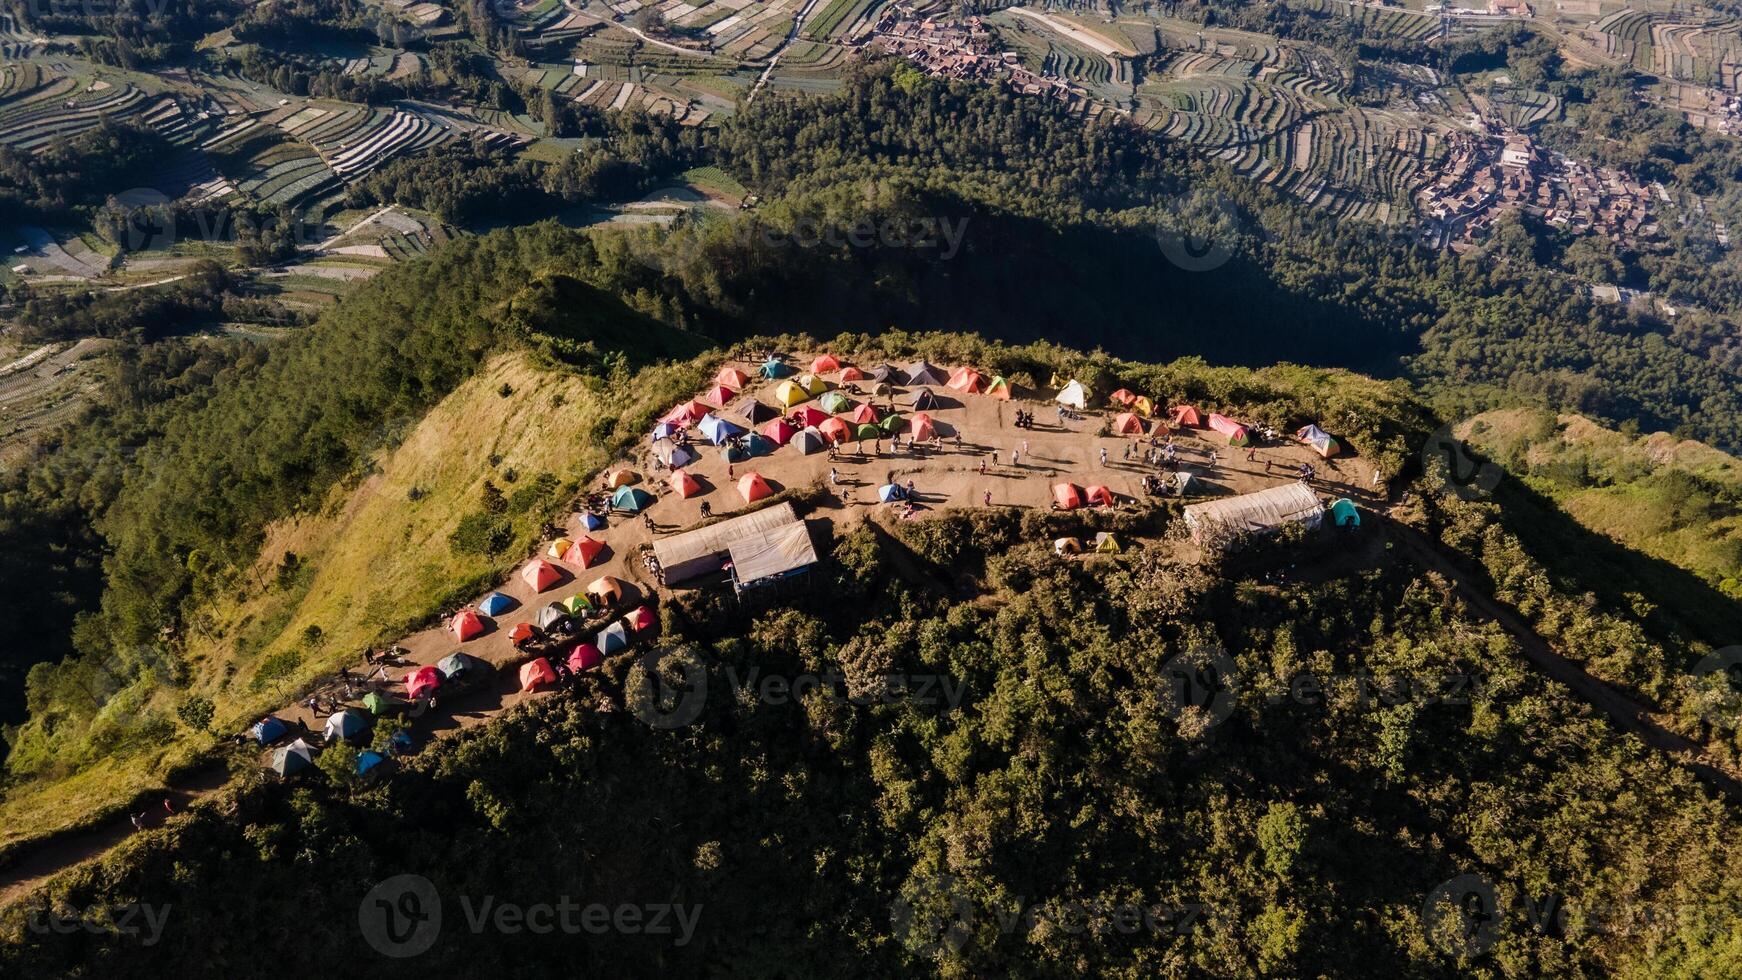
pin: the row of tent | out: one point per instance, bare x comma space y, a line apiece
1069, 496
539, 673
1105, 543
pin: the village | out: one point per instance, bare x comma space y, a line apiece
966, 50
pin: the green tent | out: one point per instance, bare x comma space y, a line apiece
891, 423
577, 604
377, 703
869, 430
1344, 514
631, 499
834, 403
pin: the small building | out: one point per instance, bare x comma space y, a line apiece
1254, 513
703, 551
765, 558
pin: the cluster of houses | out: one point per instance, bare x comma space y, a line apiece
965, 49
1485, 176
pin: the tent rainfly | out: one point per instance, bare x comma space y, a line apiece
720, 396
919, 427
812, 383
665, 430
268, 730
551, 616
1186, 417
851, 374
1255, 513
790, 394
886, 374
760, 412
631, 499
834, 430
732, 378
673, 455
460, 664
1124, 396
1074, 395
520, 633
606, 589
1344, 513
965, 380
1144, 407
496, 603
467, 624
753, 487
1066, 546
1106, 543
924, 373
1236, 433
773, 368
834, 402
640, 618
577, 604
558, 547
779, 432
343, 726
422, 681
999, 389
591, 521
810, 441
689, 413
1066, 496
1099, 496
719, 431
925, 401
377, 703
585, 551
585, 656
825, 364
536, 673
863, 415
684, 485
293, 758
541, 575
1128, 424
612, 638
1320, 441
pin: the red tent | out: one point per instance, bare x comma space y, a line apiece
585, 656
640, 619
779, 432
812, 415
754, 487
863, 415
965, 379
521, 633
1236, 433
585, 551
422, 681
720, 395
1100, 496
689, 413
537, 673
835, 430
919, 426
732, 378
684, 485
851, 374
1124, 396
825, 364
467, 625
541, 575
1186, 415
1066, 496
1128, 424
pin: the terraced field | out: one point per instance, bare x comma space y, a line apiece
34, 115
1391, 22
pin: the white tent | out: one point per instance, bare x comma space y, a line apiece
1074, 396
1256, 513
612, 638
551, 615
674, 455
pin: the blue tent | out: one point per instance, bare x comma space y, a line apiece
400, 741
665, 430
592, 521
735, 453
773, 368
1343, 512
719, 431
631, 499
758, 444
268, 730
368, 760
347, 724
888, 492
495, 604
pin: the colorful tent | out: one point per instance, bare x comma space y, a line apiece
368, 760
810, 441
584, 656
558, 547
1344, 514
834, 402
536, 673
919, 427
1127, 424
863, 415
923, 373
760, 412
1185, 415
1107, 544
496, 603
1236, 433
520, 634
733, 378
773, 368
825, 364
665, 430
1100, 496
814, 384
811, 415
460, 665
719, 431
1320, 440
377, 703
999, 389
789, 394
612, 638
293, 758
757, 444
467, 625
1066, 496
867, 431
835, 430
631, 499
888, 492
640, 619
779, 432
734, 453
268, 730
684, 485
586, 551
552, 615
753, 487
620, 477
925, 401
1066, 546
541, 575
720, 395
1144, 407
1124, 396
851, 374
606, 590
577, 604
965, 380
892, 423
345, 725
422, 681
1074, 395
673, 455
591, 521
686, 414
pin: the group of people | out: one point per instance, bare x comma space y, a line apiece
1024, 420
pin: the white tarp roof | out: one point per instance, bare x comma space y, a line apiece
692, 553
776, 551
1261, 511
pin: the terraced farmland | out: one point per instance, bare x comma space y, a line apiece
62, 107
1393, 22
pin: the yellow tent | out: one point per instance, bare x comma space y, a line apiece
577, 604
790, 394
1144, 407
813, 383
559, 547
1106, 543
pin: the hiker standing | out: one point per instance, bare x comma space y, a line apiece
834, 477
988, 498
1015, 457
1103, 455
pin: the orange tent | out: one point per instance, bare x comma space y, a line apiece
851, 374
620, 478
608, 589
779, 432
720, 395
640, 619
1186, 415
684, 485
537, 673
835, 430
1099, 495
541, 575
1123, 396
965, 379
1127, 424
863, 415
586, 550
825, 364
1066, 496
753, 487
467, 625
919, 426
522, 632
732, 378
688, 413
999, 389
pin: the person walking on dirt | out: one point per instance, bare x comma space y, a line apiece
1103, 455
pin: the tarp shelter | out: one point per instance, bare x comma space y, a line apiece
789, 394
377, 703
631, 499
834, 430
919, 427
467, 624
923, 373
422, 682
719, 431
689, 413
1099, 496
1066, 496
1144, 407
812, 383
1106, 543
811, 415
496, 603
585, 551
268, 730
577, 604
999, 389
888, 492
1236, 433
867, 431
673, 455
720, 395
540, 574
1320, 441
1185, 415
760, 412
825, 364
752, 487
773, 368
1266, 510
461, 665
1128, 424
345, 725
1344, 513
1074, 395
851, 374
612, 638
767, 556
620, 477
1066, 546
779, 432
810, 441
1124, 396
640, 618
585, 656
293, 758
607, 590
520, 634
835, 402
925, 401
863, 415
368, 760
966, 380
591, 521
733, 378
536, 673
551, 616
886, 373
684, 485
559, 547
699, 552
